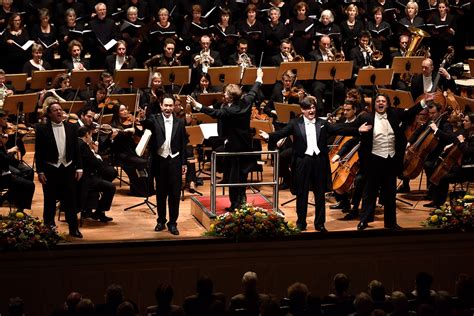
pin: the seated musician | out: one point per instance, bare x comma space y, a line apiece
459, 173
285, 53
443, 131
152, 96
61, 89
324, 52
422, 83
204, 86
5, 89
167, 58
75, 61
14, 175
96, 190
288, 90
120, 60
241, 57
123, 149
398, 82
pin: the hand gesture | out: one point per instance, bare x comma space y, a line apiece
365, 128
264, 135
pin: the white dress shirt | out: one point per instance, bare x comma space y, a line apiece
384, 137
119, 61
165, 149
311, 138
60, 138
427, 83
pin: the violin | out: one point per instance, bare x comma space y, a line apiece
72, 118
108, 103
21, 129
294, 92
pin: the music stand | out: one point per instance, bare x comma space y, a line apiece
334, 70
130, 78
126, 99
470, 61
208, 99
465, 103
261, 125
43, 79
178, 75
374, 77
269, 75
196, 138
84, 79
68, 105
17, 81
286, 112
304, 70
399, 98
411, 64
20, 104
199, 118
224, 75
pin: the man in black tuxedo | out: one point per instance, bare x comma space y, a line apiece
59, 166
168, 156
284, 55
424, 82
310, 160
362, 54
75, 62
397, 82
382, 150
238, 58
234, 125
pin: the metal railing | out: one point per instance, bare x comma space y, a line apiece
215, 185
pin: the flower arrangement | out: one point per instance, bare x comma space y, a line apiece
250, 222
458, 214
19, 231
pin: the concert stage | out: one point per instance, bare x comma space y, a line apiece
128, 251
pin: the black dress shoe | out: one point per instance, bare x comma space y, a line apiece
431, 204
173, 230
351, 216
104, 218
75, 233
394, 228
321, 228
283, 186
301, 227
159, 227
362, 226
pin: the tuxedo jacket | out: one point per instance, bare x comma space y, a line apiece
130, 63
297, 128
276, 60
69, 65
156, 124
47, 151
234, 121
397, 118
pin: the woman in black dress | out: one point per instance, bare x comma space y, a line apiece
14, 37
36, 62
44, 33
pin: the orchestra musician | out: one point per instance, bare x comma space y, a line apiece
285, 53
459, 173
423, 83
443, 131
59, 166
166, 59
324, 52
5, 90
234, 125
241, 57
96, 190
15, 176
76, 61
151, 97
123, 149
120, 60
168, 155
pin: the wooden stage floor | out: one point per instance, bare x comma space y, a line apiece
139, 223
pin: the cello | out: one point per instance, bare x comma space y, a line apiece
343, 177
417, 153
450, 158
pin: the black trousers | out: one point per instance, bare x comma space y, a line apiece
20, 190
60, 185
168, 187
235, 172
310, 175
381, 174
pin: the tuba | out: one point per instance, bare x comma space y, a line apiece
417, 35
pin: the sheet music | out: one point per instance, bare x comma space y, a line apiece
209, 130
140, 149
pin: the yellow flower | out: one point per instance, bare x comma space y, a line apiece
211, 228
434, 218
20, 215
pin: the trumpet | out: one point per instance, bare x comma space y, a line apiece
374, 53
334, 55
244, 61
204, 58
